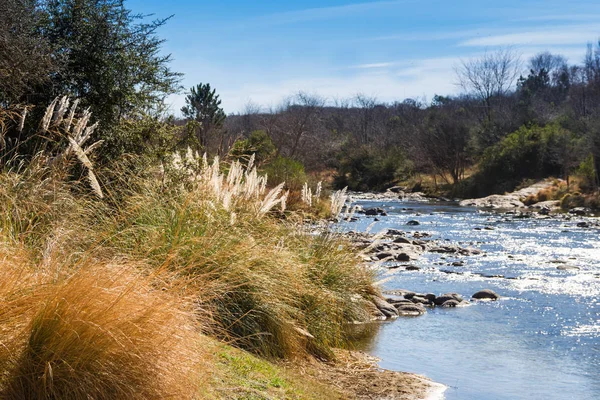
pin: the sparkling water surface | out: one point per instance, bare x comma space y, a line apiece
540, 341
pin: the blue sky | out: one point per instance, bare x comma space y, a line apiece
263, 51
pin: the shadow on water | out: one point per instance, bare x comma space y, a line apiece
362, 336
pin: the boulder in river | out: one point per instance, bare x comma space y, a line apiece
567, 268
413, 222
408, 310
421, 300
386, 308
430, 297
486, 294
579, 211
402, 257
450, 303
447, 296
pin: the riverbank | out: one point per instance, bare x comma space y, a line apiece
353, 375
132, 290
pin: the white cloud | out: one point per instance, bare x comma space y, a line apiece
320, 13
423, 79
561, 17
561, 35
372, 66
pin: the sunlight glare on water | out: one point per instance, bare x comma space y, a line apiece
540, 341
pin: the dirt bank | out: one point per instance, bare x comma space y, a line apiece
357, 376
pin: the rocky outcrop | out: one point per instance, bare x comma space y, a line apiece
509, 200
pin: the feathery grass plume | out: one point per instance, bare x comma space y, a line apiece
338, 199
306, 195
251, 161
349, 214
94, 184
318, 191
69, 120
284, 201
59, 112
80, 133
271, 199
45, 124
88, 132
81, 156
22, 119
93, 146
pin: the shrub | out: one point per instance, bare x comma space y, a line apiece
528, 153
365, 168
587, 172
571, 200
283, 169
258, 143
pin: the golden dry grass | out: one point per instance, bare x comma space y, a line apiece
99, 332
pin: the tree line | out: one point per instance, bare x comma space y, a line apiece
504, 127
513, 119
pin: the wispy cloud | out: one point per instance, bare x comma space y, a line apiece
323, 13
561, 17
423, 79
372, 65
561, 35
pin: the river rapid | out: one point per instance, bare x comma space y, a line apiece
541, 340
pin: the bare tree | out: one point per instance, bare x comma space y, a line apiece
551, 63
491, 76
298, 119
367, 106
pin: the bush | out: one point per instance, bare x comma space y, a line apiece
365, 168
258, 143
571, 200
587, 172
529, 153
287, 170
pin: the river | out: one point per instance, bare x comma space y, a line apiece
540, 341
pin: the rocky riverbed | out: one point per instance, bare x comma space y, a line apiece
529, 276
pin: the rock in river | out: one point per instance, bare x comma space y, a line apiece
440, 300
413, 223
567, 267
450, 304
486, 294
386, 308
406, 310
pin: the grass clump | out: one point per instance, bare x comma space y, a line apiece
101, 332
268, 285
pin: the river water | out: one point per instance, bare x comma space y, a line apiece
540, 341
